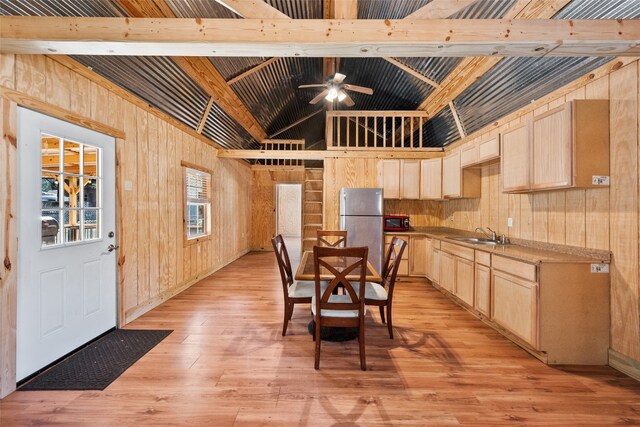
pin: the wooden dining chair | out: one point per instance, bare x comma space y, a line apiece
348, 309
332, 238
382, 294
295, 292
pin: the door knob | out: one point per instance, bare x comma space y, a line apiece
112, 248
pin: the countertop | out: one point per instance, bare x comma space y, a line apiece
521, 250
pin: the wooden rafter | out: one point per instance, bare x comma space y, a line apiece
413, 72
437, 9
253, 9
201, 70
252, 70
473, 68
456, 118
424, 153
318, 38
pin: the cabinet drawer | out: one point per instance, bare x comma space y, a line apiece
483, 258
460, 251
515, 268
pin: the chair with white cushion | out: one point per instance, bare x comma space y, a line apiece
382, 294
348, 309
295, 292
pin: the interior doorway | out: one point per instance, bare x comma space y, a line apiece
289, 218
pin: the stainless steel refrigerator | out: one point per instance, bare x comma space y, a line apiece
361, 215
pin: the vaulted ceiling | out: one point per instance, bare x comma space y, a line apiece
238, 101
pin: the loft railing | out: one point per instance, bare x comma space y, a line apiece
384, 130
282, 144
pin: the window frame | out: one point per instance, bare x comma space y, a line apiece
185, 205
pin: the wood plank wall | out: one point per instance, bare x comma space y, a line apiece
154, 263
263, 221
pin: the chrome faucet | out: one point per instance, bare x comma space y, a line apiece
491, 236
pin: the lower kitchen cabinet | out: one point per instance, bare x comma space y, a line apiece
456, 271
448, 272
482, 300
515, 306
432, 259
464, 280
403, 269
417, 251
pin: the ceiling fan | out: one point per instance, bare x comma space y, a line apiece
335, 89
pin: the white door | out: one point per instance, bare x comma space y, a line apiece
66, 223
289, 211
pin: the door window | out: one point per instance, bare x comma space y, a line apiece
71, 191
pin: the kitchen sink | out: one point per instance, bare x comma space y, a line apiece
475, 240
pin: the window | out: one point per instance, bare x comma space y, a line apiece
70, 184
198, 203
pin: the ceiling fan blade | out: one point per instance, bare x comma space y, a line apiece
312, 85
338, 78
360, 89
348, 101
319, 97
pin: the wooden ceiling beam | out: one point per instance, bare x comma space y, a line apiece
333, 154
318, 38
473, 68
253, 9
200, 70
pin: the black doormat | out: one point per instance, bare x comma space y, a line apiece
98, 364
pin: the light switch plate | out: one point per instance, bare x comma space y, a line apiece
600, 180
128, 186
599, 268
509, 222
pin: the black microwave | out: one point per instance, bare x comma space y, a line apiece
396, 223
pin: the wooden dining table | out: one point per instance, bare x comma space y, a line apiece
306, 269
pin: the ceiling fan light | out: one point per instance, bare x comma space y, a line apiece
332, 95
341, 96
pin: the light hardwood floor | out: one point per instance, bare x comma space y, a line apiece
226, 363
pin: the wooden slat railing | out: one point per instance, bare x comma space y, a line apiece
392, 130
283, 144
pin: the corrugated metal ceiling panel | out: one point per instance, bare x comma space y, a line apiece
599, 9
272, 93
226, 132
441, 130
89, 8
388, 9
515, 82
231, 66
199, 9
311, 130
485, 9
157, 80
393, 89
299, 9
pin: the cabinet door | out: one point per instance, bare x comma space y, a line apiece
489, 149
428, 258
515, 159
435, 266
469, 154
482, 301
465, 280
391, 179
552, 149
515, 306
417, 251
448, 271
451, 176
410, 183
431, 179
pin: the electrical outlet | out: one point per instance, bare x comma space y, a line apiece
128, 186
600, 180
599, 268
509, 222
451, 218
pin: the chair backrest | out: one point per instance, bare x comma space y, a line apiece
391, 264
332, 238
340, 263
284, 265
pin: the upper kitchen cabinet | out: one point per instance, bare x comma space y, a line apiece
515, 159
458, 183
570, 146
431, 179
482, 151
567, 147
401, 178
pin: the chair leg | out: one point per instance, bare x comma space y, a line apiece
389, 322
382, 313
317, 339
287, 316
291, 310
363, 362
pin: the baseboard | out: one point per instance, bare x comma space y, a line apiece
135, 312
624, 364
